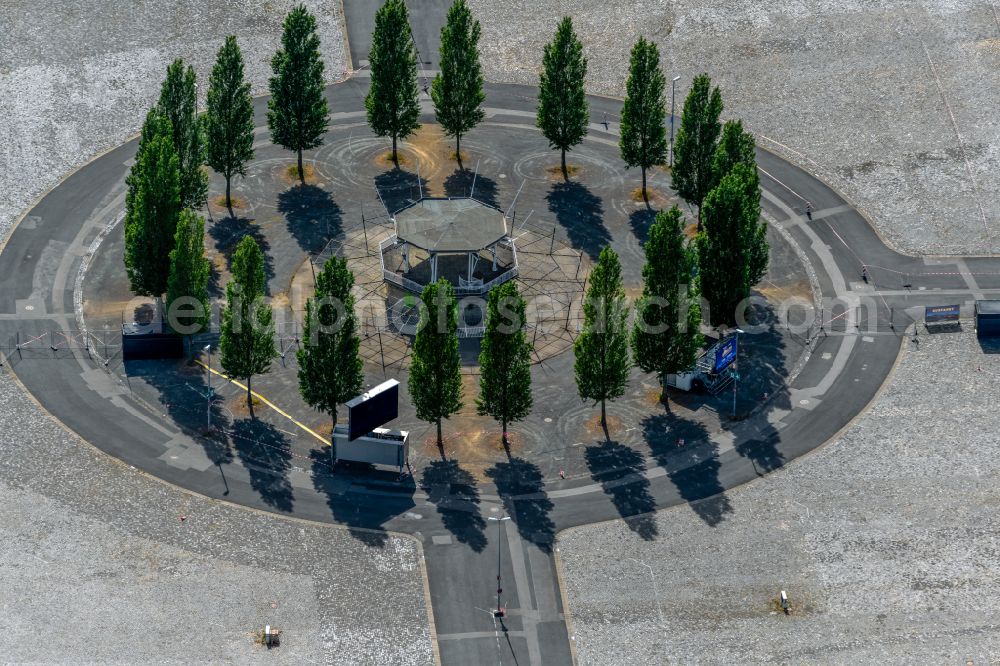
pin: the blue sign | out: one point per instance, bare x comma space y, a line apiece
725, 354
938, 313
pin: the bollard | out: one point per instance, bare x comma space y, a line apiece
785, 606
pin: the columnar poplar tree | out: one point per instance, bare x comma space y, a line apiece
732, 249
643, 140
562, 102
458, 90
391, 104
436, 368
505, 360
602, 359
297, 112
697, 139
666, 336
330, 370
187, 285
179, 102
736, 146
247, 336
152, 206
229, 117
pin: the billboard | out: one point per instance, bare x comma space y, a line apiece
938, 313
373, 408
725, 354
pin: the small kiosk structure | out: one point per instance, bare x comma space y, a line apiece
460, 239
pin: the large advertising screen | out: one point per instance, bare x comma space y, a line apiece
725, 354
371, 409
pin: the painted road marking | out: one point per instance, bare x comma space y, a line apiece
266, 402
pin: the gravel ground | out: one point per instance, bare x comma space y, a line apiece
90, 544
891, 101
886, 541
77, 76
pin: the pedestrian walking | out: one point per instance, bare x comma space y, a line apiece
809, 211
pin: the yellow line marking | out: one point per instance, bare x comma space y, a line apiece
266, 402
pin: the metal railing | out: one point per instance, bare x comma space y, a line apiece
471, 290
400, 281
486, 286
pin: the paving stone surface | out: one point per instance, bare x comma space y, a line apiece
893, 102
90, 544
885, 541
97, 565
78, 76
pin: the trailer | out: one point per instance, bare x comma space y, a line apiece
380, 446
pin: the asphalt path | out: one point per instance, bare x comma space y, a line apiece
854, 346
426, 19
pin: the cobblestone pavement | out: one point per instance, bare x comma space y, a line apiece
91, 545
77, 76
885, 541
891, 101
96, 562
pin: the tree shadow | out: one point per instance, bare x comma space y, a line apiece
762, 387
399, 188
312, 216
762, 452
182, 389
459, 184
684, 449
522, 490
619, 471
364, 516
143, 314
266, 454
762, 363
453, 491
640, 221
215, 289
580, 212
227, 233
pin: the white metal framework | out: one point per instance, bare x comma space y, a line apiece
460, 239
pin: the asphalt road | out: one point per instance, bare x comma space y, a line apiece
426, 19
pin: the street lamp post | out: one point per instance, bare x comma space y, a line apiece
499, 611
673, 96
208, 393
736, 369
